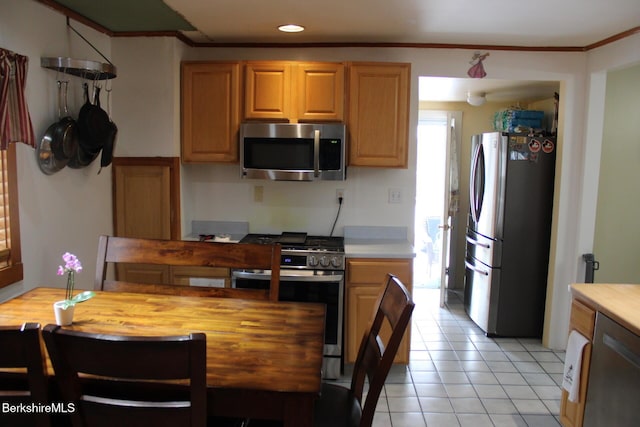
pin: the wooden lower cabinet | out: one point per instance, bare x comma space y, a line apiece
582, 320
365, 278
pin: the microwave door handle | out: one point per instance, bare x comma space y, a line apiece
316, 153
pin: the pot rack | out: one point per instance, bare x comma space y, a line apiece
84, 68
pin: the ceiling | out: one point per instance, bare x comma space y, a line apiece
477, 24
541, 23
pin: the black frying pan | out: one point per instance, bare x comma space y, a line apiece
90, 124
110, 138
93, 130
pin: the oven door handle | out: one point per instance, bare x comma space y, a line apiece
333, 278
289, 278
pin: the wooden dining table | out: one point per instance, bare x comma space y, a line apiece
264, 359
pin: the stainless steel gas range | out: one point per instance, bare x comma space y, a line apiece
311, 270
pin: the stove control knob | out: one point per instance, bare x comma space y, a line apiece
336, 261
312, 261
324, 261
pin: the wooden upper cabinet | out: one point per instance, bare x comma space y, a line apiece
211, 93
378, 114
294, 91
267, 90
320, 91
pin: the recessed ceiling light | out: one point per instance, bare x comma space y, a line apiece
291, 28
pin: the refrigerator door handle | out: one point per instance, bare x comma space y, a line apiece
475, 242
472, 185
476, 189
474, 268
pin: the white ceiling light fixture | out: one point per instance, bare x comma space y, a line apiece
476, 98
291, 28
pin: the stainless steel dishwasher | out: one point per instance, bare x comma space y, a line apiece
614, 377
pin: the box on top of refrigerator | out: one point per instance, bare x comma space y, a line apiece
514, 120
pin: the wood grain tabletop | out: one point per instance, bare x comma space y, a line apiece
251, 345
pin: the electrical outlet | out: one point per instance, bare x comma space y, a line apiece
258, 193
395, 195
339, 194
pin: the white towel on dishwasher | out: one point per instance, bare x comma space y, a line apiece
572, 364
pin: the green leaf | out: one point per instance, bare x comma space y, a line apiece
83, 296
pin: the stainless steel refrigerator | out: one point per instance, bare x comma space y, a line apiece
508, 232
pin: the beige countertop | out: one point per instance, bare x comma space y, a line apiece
620, 302
377, 242
378, 248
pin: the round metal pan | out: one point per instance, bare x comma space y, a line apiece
60, 141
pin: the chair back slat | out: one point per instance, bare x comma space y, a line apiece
180, 253
20, 348
125, 377
375, 357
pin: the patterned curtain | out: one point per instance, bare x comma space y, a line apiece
15, 122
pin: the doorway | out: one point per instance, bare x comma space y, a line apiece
437, 177
430, 175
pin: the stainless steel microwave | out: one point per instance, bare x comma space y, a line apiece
293, 151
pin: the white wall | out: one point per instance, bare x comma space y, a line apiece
616, 231
68, 210
575, 225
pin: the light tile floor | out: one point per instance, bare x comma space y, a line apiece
459, 377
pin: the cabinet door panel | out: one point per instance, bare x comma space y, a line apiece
583, 318
320, 91
378, 114
146, 199
365, 277
267, 90
210, 111
368, 271
143, 202
360, 300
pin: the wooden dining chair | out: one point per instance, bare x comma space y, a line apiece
130, 380
20, 348
181, 253
342, 407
